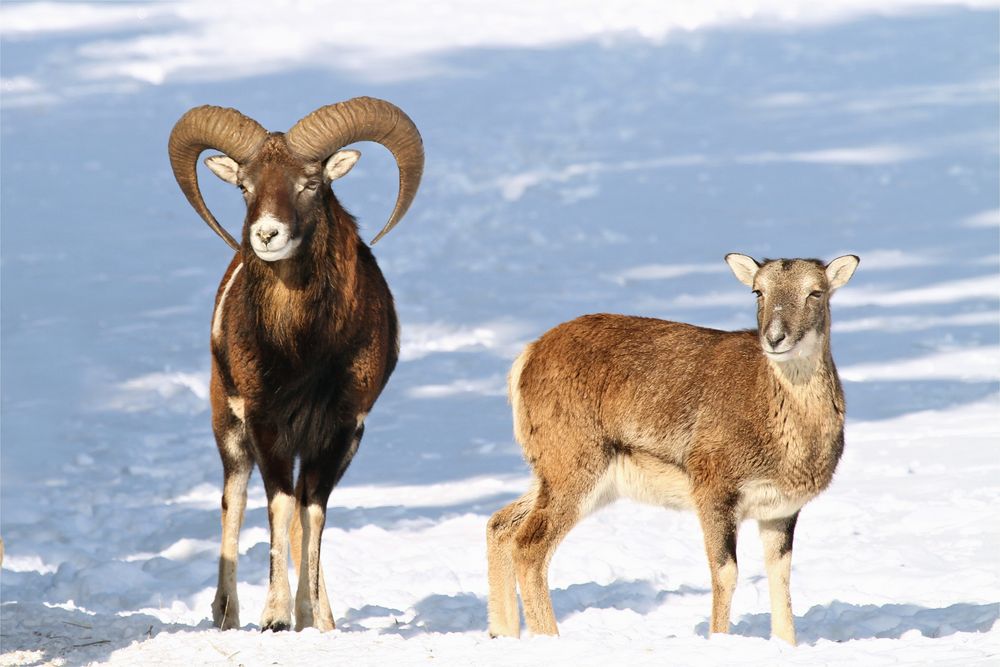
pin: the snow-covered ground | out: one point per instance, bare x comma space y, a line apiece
582, 157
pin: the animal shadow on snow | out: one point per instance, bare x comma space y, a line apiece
466, 612
52, 635
841, 622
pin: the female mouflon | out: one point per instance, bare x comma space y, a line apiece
733, 425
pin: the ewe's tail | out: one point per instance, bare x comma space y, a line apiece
514, 393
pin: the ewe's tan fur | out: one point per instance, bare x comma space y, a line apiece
733, 425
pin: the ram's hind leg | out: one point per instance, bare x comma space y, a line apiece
504, 618
237, 464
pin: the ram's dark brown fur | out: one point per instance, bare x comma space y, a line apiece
304, 332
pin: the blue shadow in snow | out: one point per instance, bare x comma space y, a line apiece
842, 622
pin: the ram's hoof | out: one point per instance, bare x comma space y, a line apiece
276, 626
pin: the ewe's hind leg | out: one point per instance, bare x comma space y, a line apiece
568, 480
503, 615
237, 465
777, 537
719, 525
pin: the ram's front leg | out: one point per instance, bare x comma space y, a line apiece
312, 605
277, 473
317, 478
237, 464
300, 548
226, 606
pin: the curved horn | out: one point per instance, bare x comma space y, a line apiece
328, 129
201, 128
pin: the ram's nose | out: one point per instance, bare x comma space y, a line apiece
265, 234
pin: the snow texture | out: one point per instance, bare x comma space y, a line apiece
581, 157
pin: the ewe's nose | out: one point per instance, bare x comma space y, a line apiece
774, 339
265, 234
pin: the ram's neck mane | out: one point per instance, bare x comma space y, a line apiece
304, 304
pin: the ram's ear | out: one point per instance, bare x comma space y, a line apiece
224, 167
339, 164
744, 267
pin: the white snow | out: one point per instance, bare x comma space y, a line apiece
492, 386
513, 186
152, 390
505, 337
917, 322
887, 99
984, 219
977, 363
630, 585
582, 157
883, 260
984, 287
665, 271
190, 40
854, 155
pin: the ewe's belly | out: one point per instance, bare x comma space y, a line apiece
645, 480
655, 482
762, 500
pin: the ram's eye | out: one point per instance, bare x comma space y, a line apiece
815, 294
310, 185
757, 293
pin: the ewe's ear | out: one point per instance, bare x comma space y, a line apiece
744, 267
840, 270
339, 164
224, 167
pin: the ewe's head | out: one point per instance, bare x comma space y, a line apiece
286, 176
793, 300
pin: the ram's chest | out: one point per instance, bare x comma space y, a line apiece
286, 318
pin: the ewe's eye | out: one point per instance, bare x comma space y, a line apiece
815, 294
310, 186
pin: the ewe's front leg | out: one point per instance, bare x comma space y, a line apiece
718, 523
776, 536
